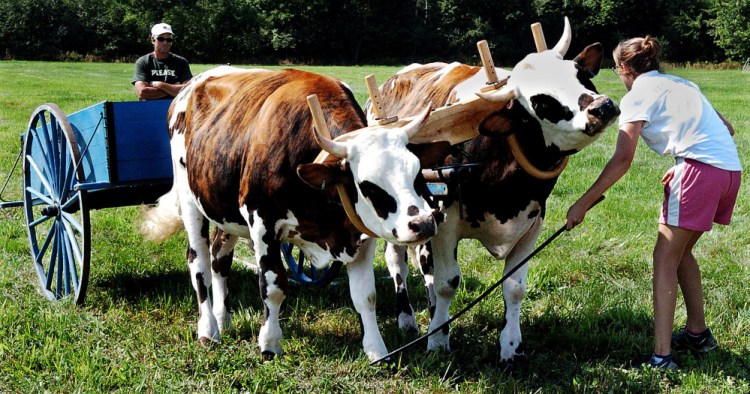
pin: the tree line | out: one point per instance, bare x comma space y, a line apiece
354, 32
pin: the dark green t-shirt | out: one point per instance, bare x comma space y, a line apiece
174, 69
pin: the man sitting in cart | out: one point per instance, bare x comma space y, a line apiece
161, 74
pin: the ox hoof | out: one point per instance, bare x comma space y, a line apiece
207, 342
267, 355
407, 323
514, 364
224, 324
438, 343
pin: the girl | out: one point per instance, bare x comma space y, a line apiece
674, 119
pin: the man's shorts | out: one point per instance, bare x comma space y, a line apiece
699, 195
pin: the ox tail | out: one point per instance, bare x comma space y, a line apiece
411, 253
162, 221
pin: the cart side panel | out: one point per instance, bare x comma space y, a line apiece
89, 126
140, 142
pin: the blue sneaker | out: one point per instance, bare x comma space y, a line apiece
700, 343
663, 362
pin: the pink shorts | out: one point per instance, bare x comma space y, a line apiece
699, 195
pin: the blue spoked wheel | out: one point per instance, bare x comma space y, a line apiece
307, 274
57, 217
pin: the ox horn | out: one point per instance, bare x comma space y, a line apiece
320, 129
564, 43
507, 93
412, 128
335, 148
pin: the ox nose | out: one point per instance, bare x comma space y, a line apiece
604, 109
423, 227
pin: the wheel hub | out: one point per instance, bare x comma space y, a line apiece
51, 210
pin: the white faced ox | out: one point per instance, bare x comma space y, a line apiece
554, 110
241, 142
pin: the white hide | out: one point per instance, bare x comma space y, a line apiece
548, 74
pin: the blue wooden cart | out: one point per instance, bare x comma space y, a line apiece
110, 154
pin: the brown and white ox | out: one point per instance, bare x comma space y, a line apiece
554, 111
241, 143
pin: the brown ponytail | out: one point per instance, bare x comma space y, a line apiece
639, 54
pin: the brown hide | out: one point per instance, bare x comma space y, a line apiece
246, 133
405, 93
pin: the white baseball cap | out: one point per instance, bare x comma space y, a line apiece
161, 28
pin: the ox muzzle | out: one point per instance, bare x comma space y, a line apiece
423, 227
600, 113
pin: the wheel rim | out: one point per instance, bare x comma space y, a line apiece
307, 274
57, 217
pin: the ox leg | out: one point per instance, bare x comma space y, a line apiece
514, 290
426, 267
445, 278
362, 288
198, 258
274, 284
222, 252
396, 259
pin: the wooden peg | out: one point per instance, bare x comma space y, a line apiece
376, 104
489, 66
372, 89
536, 30
317, 113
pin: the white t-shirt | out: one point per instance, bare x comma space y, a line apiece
679, 121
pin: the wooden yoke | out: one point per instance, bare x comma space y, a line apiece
324, 157
457, 122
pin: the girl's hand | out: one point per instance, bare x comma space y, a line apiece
667, 177
576, 214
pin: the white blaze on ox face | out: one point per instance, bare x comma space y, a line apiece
550, 90
384, 173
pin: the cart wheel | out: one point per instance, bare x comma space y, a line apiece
308, 276
57, 217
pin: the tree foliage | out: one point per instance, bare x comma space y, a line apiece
731, 27
364, 31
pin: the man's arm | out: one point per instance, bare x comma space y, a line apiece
146, 91
170, 89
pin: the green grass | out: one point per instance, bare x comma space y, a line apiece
587, 313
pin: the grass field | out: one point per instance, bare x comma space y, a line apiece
586, 320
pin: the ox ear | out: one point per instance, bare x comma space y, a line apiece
590, 59
497, 124
431, 154
321, 176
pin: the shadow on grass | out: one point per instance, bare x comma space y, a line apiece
560, 349
136, 286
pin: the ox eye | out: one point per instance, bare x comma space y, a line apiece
584, 101
547, 107
420, 186
383, 202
